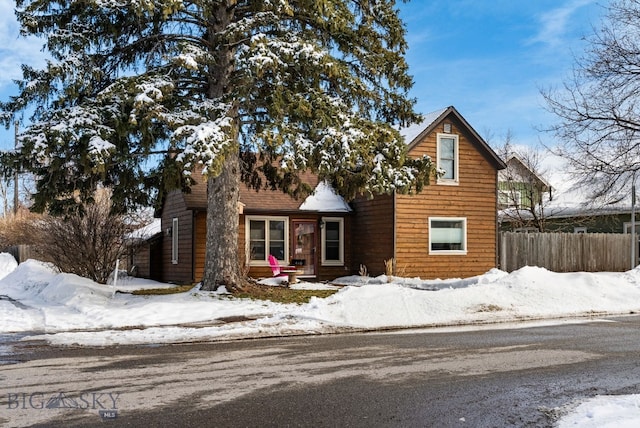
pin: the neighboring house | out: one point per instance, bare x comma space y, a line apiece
591, 220
520, 186
523, 196
448, 230
570, 210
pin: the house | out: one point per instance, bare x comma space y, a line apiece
314, 234
448, 230
143, 249
523, 195
570, 209
591, 219
520, 186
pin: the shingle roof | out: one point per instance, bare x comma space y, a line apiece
414, 133
262, 200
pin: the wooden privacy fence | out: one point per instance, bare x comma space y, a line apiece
566, 252
19, 252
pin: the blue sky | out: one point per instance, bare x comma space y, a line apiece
488, 58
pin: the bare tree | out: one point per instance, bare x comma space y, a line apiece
598, 107
86, 243
523, 192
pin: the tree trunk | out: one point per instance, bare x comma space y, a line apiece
221, 266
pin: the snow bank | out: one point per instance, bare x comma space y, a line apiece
71, 309
605, 412
7, 264
529, 293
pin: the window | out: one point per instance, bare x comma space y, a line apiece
174, 241
627, 227
332, 241
447, 151
509, 199
267, 235
447, 235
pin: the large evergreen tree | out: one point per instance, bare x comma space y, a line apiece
246, 90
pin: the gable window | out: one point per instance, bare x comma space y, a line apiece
447, 152
174, 241
332, 241
447, 235
267, 235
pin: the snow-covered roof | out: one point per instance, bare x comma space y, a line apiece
324, 198
569, 198
411, 132
147, 231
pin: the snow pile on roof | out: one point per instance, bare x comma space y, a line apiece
409, 133
324, 198
147, 231
570, 198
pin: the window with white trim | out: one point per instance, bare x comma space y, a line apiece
267, 235
174, 241
332, 241
447, 235
447, 154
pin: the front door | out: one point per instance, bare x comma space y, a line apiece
304, 246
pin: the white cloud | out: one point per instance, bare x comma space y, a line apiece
14, 49
555, 24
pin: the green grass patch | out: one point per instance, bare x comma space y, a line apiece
281, 294
251, 291
163, 291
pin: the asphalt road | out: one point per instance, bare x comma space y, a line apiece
509, 377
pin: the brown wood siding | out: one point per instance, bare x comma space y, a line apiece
474, 198
157, 268
141, 261
181, 272
199, 244
372, 242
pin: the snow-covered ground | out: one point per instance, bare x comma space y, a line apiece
66, 309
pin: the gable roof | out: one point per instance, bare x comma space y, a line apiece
322, 199
516, 162
415, 133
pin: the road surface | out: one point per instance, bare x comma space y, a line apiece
429, 378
